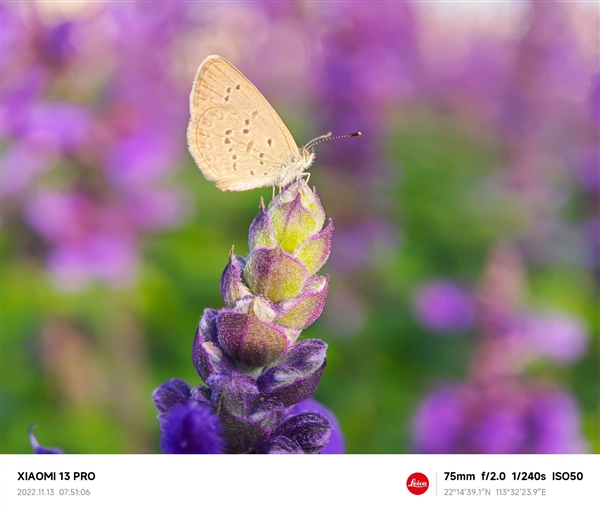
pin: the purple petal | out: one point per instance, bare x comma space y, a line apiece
191, 428
172, 392
37, 448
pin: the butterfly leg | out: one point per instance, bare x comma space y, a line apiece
273, 192
306, 177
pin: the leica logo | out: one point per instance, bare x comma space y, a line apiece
417, 483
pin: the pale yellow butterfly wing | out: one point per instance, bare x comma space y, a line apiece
235, 136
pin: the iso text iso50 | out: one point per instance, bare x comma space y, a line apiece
567, 476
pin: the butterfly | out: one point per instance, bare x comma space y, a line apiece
235, 136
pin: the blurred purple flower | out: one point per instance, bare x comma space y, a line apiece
443, 306
21, 164
118, 141
141, 158
559, 336
58, 126
88, 242
156, 209
557, 424
104, 257
438, 421
500, 419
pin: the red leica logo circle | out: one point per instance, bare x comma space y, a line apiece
417, 483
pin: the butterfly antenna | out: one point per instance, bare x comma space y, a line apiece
328, 137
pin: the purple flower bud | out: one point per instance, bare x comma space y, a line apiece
170, 393
292, 204
233, 287
261, 232
274, 273
247, 418
293, 223
249, 336
235, 393
201, 394
241, 435
310, 430
37, 448
297, 378
308, 355
301, 311
209, 358
336, 444
191, 428
281, 445
268, 413
208, 325
316, 250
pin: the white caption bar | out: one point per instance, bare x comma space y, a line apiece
380, 483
